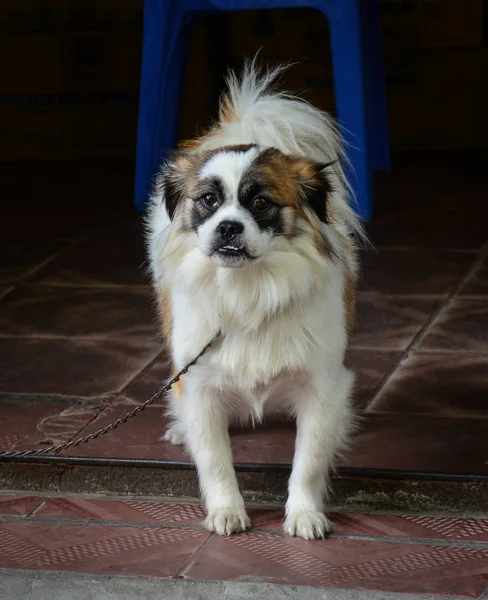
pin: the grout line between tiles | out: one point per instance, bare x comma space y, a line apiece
192, 557
103, 406
159, 356
443, 304
35, 509
41, 265
484, 593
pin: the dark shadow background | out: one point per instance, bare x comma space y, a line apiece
69, 79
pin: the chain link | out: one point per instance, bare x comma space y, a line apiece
165, 388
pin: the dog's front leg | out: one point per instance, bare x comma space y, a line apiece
207, 437
323, 422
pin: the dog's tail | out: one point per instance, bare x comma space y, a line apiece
251, 111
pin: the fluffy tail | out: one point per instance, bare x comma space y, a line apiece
251, 111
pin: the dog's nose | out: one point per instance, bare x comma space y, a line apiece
229, 229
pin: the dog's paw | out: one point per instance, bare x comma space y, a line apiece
225, 521
309, 525
174, 436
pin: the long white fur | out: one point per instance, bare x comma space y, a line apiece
282, 318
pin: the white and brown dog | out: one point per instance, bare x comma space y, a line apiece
250, 233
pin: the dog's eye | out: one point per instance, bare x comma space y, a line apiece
261, 203
209, 200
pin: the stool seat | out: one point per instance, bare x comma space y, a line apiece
359, 83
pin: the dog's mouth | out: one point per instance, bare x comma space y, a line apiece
233, 251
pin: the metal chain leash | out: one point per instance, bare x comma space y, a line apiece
165, 388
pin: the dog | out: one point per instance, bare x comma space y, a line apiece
250, 232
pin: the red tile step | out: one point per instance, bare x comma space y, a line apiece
409, 553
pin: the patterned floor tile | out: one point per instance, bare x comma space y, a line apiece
71, 367
109, 550
38, 424
122, 511
452, 385
413, 271
37, 311
390, 323
455, 529
343, 563
18, 505
462, 326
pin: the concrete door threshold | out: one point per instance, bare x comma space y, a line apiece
40, 585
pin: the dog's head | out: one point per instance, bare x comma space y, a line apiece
239, 199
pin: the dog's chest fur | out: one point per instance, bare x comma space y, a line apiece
261, 339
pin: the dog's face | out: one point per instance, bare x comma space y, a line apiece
238, 199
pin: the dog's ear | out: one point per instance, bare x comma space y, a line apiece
173, 179
314, 185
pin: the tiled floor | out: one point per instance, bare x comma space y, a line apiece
78, 343
386, 552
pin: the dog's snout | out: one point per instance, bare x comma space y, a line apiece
229, 229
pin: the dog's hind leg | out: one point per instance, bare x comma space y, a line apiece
324, 420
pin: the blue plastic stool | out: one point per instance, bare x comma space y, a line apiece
358, 80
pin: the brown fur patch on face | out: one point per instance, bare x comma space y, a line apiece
298, 183
177, 177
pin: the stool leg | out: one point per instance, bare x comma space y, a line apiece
379, 146
163, 63
345, 34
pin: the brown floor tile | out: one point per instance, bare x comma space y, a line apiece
95, 266
18, 258
39, 311
98, 262
417, 205
343, 563
71, 367
108, 550
454, 529
139, 438
462, 326
402, 442
29, 425
413, 271
438, 384
384, 442
370, 367
126, 511
477, 285
4, 290
390, 323
62, 223
18, 505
